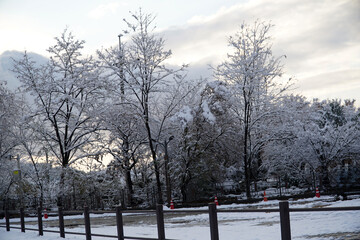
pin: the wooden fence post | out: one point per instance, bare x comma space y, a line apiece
160, 222
285, 220
61, 222
22, 219
40, 223
119, 224
214, 231
87, 223
7, 219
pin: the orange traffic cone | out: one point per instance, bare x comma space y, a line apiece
317, 193
172, 204
216, 201
265, 198
45, 214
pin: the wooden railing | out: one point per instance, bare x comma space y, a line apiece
283, 209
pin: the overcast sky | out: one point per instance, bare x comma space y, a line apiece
321, 39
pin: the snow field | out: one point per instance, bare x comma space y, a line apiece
232, 226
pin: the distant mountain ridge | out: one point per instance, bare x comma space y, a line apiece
6, 64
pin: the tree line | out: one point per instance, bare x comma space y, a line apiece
122, 127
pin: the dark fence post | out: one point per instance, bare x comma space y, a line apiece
40, 223
22, 219
214, 231
61, 222
285, 220
160, 222
87, 223
119, 224
7, 219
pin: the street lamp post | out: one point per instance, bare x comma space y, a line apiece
17, 178
121, 67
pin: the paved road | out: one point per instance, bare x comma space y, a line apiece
128, 219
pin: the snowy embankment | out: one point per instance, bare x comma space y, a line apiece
304, 225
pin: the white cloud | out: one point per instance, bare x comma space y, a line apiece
23, 37
104, 9
332, 85
303, 30
321, 40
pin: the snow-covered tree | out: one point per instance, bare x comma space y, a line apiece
124, 140
67, 92
146, 83
203, 146
252, 71
30, 147
332, 138
125, 134
322, 141
284, 156
8, 115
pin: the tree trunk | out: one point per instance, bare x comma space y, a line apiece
183, 192
280, 186
60, 197
167, 177
325, 180
74, 196
156, 167
246, 157
127, 168
41, 199
129, 186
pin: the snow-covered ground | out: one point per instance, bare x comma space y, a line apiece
304, 225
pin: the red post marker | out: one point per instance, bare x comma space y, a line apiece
172, 204
265, 198
45, 214
216, 201
317, 193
